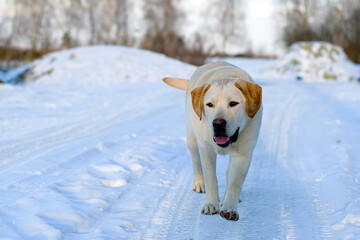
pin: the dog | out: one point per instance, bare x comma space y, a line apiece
223, 116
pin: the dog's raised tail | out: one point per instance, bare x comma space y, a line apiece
176, 82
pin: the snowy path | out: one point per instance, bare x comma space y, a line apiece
289, 192
110, 162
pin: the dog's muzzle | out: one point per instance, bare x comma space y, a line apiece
220, 137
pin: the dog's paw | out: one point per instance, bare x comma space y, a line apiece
231, 215
198, 184
210, 209
229, 211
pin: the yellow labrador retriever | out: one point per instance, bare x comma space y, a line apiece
223, 114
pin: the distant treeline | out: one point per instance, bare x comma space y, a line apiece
167, 26
158, 25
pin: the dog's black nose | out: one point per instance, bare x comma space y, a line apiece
219, 123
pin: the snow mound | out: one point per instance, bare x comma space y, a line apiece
314, 61
105, 64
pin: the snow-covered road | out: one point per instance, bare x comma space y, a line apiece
108, 160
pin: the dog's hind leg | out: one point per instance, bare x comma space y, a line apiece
198, 182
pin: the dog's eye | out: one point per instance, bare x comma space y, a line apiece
210, 104
233, 104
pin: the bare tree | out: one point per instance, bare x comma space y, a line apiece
30, 17
353, 32
223, 26
12, 24
297, 15
232, 23
37, 10
72, 12
45, 34
91, 6
121, 22
162, 19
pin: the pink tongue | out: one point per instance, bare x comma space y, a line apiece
222, 139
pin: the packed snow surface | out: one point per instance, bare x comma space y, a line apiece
94, 147
314, 61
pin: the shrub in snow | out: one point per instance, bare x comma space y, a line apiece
314, 61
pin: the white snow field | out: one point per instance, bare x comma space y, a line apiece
94, 148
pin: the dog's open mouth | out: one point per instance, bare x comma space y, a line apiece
223, 140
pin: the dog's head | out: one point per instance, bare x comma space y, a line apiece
226, 107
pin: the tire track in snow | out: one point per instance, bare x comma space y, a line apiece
75, 130
167, 210
279, 140
295, 214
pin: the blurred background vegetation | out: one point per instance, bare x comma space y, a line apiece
31, 28
337, 22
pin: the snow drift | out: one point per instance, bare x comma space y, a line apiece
314, 61
104, 64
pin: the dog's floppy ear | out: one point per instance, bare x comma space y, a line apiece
176, 82
253, 94
197, 98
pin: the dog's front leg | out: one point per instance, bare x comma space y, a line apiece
208, 160
236, 173
198, 182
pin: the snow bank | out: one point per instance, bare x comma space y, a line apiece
104, 64
313, 61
